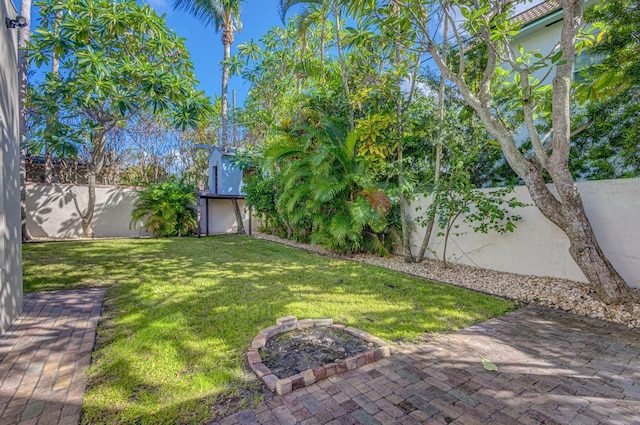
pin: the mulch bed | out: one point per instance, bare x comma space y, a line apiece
293, 352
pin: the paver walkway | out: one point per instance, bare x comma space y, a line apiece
554, 368
44, 357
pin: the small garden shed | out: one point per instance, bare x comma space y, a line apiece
224, 177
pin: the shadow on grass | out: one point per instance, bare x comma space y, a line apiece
180, 313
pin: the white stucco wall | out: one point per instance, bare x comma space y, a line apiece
10, 224
538, 247
543, 37
222, 218
51, 212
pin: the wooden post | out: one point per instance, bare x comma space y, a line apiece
207, 214
198, 215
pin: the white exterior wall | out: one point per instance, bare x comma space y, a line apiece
537, 247
51, 212
222, 218
10, 222
224, 178
544, 39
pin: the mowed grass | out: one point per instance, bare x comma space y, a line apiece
180, 313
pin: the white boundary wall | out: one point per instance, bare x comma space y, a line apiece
537, 247
51, 212
222, 217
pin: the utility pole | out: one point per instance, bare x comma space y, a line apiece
235, 122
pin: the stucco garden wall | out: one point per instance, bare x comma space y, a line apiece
51, 212
539, 248
536, 247
10, 228
222, 218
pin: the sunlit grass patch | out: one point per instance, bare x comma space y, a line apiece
180, 313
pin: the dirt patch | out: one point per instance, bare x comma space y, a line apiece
293, 352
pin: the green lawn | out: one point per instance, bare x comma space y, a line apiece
180, 313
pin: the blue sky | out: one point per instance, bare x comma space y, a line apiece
205, 45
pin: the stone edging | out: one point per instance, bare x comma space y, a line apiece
310, 376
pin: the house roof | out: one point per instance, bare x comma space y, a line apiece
536, 12
531, 15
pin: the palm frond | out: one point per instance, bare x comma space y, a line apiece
377, 199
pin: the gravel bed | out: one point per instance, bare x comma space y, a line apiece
563, 294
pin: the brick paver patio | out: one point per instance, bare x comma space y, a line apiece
554, 368
44, 357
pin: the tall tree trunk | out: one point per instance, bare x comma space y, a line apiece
404, 205
26, 236
236, 210
55, 71
48, 166
227, 41
437, 170
566, 211
24, 34
343, 71
235, 120
438, 163
569, 215
94, 168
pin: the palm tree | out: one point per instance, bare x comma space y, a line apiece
314, 12
225, 15
322, 9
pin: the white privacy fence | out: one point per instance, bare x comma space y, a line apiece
51, 212
537, 247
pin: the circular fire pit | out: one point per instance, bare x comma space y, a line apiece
376, 349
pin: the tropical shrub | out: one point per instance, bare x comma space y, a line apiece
315, 187
261, 194
166, 209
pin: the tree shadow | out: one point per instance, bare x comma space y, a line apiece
221, 292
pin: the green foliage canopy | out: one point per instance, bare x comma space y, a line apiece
117, 58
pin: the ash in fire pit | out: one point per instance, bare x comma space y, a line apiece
296, 351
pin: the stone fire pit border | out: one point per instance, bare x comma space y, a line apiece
310, 376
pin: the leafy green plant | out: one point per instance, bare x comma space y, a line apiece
483, 211
325, 192
167, 209
261, 195
117, 60
455, 194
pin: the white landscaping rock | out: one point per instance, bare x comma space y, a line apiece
568, 295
